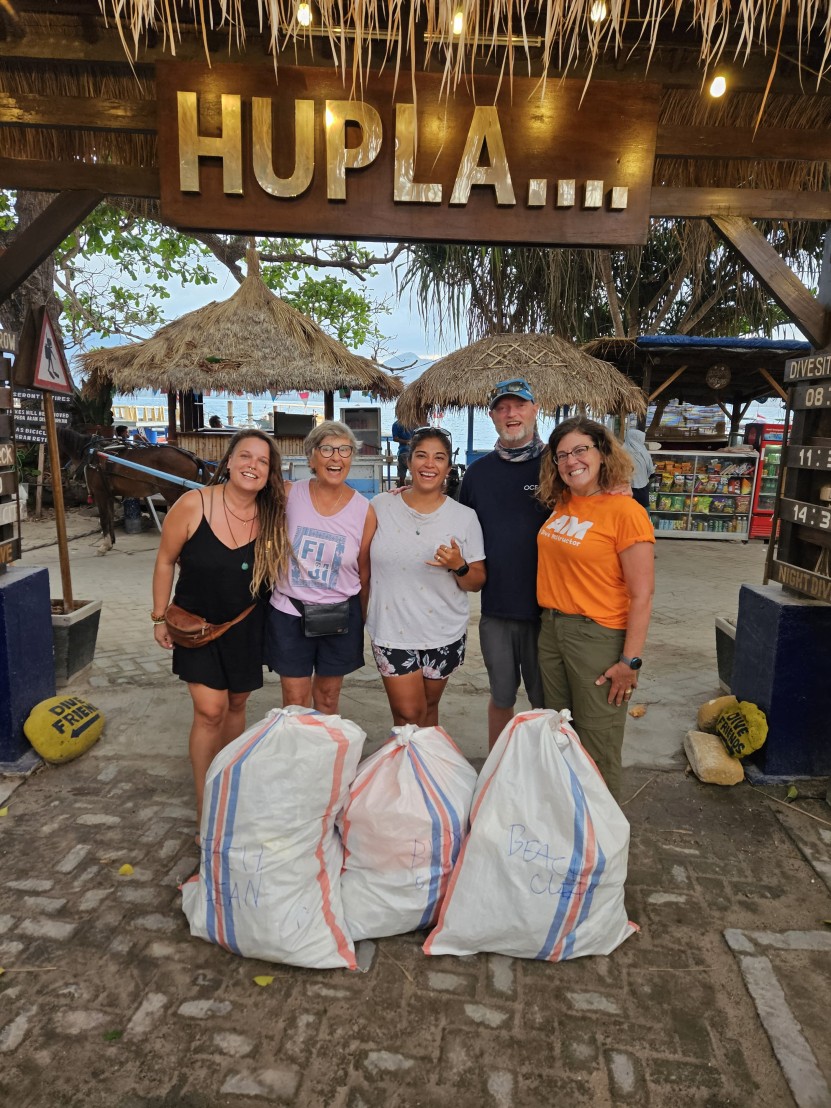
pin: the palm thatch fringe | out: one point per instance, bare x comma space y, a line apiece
252, 342
558, 372
741, 110
564, 31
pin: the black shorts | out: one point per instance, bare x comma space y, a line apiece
290, 654
233, 662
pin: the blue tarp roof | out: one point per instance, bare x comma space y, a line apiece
796, 346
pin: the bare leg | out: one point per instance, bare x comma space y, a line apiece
235, 718
326, 693
210, 709
498, 720
296, 690
408, 701
432, 694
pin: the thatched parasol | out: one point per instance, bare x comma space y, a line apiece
253, 342
559, 373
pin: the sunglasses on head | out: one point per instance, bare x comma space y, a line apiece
516, 384
430, 430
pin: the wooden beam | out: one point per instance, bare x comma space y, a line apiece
775, 144
672, 377
111, 180
777, 277
72, 112
774, 384
41, 237
701, 203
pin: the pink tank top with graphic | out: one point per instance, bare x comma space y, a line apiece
325, 564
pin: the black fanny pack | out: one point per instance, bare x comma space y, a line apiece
323, 619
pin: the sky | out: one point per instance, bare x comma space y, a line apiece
408, 335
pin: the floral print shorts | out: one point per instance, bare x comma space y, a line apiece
436, 662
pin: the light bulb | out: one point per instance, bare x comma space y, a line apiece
718, 87
598, 11
458, 21
304, 14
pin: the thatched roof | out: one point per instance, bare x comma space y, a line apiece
104, 52
252, 342
558, 371
555, 36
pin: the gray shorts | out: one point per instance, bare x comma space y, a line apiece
509, 649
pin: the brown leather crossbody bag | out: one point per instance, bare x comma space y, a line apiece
186, 629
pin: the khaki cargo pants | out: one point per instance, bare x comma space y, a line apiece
573, 652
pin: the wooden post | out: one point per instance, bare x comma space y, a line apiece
329, 404
57, 497
39, 486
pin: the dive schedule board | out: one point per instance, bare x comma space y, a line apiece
802, 558
9, 513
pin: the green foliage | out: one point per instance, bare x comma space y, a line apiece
683, 281
7, 220
119, 270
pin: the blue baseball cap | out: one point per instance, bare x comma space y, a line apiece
516, 386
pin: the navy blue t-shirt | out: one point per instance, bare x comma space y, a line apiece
502, 495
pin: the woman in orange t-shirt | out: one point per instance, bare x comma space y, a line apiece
595, 581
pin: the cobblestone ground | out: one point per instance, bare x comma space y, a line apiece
106, 999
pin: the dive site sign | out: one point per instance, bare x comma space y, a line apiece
552, 163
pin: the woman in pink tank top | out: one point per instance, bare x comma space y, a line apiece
330, 529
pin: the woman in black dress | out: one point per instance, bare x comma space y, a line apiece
231, 544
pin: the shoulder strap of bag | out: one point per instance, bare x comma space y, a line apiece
241, 616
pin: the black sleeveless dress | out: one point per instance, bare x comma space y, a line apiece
213, 583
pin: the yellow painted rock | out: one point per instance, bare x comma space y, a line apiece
63, 727
708, 713
742, 729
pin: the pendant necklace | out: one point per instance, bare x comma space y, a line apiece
243, 565
419, 518
337, 502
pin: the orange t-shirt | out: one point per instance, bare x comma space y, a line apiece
578, 569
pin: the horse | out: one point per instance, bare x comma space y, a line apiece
105, 479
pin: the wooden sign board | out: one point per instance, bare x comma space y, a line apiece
802, 558
9, 510
521, 161
29, 419
9, 552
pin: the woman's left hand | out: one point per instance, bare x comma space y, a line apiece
448, 557
624, 681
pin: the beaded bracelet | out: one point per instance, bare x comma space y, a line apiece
156, 619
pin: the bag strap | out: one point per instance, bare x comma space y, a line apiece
241, 616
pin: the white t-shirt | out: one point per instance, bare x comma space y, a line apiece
413, 605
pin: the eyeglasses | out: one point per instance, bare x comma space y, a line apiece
327, 451
576, 453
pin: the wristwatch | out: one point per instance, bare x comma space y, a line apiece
633, 663
462, 570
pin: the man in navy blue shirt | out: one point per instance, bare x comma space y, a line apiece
500, 488
402, 436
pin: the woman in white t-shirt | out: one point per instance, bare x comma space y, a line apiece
427, 553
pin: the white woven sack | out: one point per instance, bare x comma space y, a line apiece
541, 873
269, 879
402, 830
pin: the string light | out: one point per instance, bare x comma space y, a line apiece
458, 21
718, 86
304, 14
598, 11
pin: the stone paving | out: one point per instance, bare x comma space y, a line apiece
720, 999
